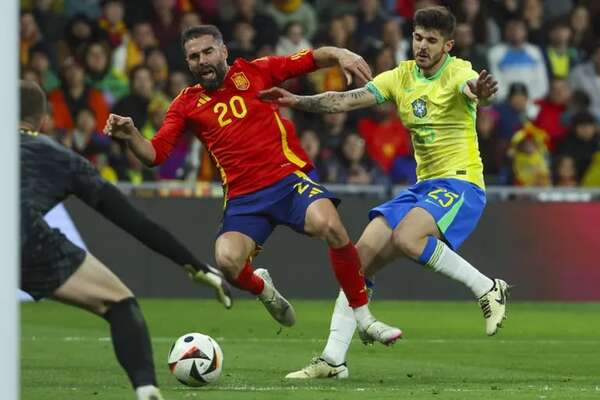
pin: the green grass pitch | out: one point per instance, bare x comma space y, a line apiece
546, 351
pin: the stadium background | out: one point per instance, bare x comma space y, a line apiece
98, 56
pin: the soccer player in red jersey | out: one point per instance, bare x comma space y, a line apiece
263, 168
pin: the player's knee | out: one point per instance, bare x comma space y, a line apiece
103, 303
230, 262
332, 231
406, 243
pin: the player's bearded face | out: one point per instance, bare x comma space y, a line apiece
207, 61
429, 46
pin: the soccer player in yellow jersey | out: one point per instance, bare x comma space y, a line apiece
436, 96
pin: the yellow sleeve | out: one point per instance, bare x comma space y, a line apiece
464, 75
382, 86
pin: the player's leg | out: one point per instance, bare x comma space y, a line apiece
323, 221
95, 288
450, 210
233, 253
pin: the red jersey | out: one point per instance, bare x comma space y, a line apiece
252, 145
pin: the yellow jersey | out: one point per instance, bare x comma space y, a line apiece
440, 117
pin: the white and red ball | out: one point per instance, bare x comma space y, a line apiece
196, 359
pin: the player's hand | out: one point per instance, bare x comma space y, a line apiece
484, 87
119, 127
212, 278
278, 96
354, 65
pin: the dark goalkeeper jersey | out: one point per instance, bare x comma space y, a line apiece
49, 174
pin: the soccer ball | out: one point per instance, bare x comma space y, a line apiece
196, 359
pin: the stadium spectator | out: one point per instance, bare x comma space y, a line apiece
353, 166
552, 116
512, 113
101, 75
466, 48
80, 32
285, 11
178, 80
517, 60
242, 43
292, 40
556, 9
112, 22
310, 142
591, 177
559, 55
173, 51
582, 142
141, 86
89, 8
74, 95
581, 25
142, 38
51, 22
247, 11
533, 15
40, 62
29, 37
392, 38
84, 138
475, 14
327, 10
332, 129
492, 152
565, 172
586, 78
165, 22
370, 22
157, 64
529, 155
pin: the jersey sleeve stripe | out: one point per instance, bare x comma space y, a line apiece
378, 96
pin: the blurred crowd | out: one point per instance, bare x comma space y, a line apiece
93, 57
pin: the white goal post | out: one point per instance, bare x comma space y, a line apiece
9, 210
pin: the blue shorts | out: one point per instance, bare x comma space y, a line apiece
454, 204
283, 203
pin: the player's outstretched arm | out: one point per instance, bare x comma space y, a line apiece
351, 63
123, 128
328, 102
113, 205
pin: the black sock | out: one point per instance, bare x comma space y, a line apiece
131, 341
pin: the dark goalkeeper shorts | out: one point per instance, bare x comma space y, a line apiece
48, 259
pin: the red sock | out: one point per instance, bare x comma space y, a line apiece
346, 266
248, 281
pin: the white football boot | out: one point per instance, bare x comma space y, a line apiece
148, 392
274, 302
493, 305
320, 369
380, 332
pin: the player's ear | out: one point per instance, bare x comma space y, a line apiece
448, 45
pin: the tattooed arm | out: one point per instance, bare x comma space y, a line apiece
328, 102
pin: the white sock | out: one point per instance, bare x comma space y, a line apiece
341, 330
363, 316
447, 262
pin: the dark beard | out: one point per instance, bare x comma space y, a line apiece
212, 84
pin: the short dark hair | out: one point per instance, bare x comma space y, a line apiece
194, 32
33, 103
438, 18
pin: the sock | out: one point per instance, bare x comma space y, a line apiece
248, 281
442, 259
346, 266
131, 341
341, 330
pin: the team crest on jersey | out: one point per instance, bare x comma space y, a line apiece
240, 81
419, 108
